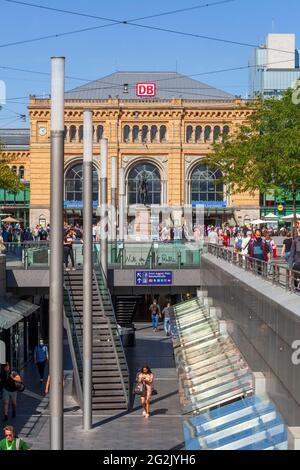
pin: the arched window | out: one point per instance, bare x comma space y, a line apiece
14, 169
207, 134
144, 134
153, 134
189, 134
65, 132
144, 184
126, 134
163, 134
21, 172
100, 133
135, 133
225, 133
74, 184
72, 133
206, 184
217, 133
80, 135
198, 134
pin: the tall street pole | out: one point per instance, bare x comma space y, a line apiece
103, 205
121, 204
56, 252
87, 267
113, 189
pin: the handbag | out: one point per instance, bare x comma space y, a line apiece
19, 386
154, 391
139, 389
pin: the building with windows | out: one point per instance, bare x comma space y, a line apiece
274, 67
160, 141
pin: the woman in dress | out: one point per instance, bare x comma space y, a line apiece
146, 377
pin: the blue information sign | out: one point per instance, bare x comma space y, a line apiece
153, 278
77, 204
210, 204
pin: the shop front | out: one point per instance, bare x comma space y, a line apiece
18, 330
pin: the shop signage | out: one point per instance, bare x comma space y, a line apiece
77, 204
153, 278
210, 204
145, 89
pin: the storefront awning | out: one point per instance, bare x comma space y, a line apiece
13, 310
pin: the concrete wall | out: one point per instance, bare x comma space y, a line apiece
2, 274
265, 321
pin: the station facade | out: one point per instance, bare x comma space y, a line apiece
160, 125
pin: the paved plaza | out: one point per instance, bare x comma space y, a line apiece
126, 430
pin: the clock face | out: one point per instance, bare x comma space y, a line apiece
42, 131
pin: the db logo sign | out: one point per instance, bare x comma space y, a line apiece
145, 89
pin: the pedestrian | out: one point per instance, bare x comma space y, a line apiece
167, 318
258, 251
155, 314
41, 357
294, 259
9, 390
286, 247
11, 442
68, 250
146, 378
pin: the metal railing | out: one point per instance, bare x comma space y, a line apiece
75, 351
113, 335
129, 255
272, 271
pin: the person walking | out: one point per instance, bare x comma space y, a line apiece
146, 378
11, 442
41, 357
155, 314
167, 318
9, 390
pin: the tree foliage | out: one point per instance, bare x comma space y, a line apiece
265, 153
8, 179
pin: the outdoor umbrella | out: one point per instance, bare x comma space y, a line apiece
10, 220
271, 216
257, 222
290, 217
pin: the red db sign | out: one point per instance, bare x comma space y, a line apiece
145, 89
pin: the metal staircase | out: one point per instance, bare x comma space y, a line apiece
125, 307
110, 377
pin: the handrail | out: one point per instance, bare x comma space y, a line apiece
126, 393
270, 271
72, 333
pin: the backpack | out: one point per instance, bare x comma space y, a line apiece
239, 244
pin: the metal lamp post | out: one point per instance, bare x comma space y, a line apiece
103, 205
56, 252
87, 267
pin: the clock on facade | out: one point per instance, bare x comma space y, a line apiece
42, 130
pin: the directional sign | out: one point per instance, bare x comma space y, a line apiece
153, 278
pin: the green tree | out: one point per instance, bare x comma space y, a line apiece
8, 178
265, 153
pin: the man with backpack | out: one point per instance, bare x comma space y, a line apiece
258, 251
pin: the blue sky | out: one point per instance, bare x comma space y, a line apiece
93, 54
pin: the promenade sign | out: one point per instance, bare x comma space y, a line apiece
153, 278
